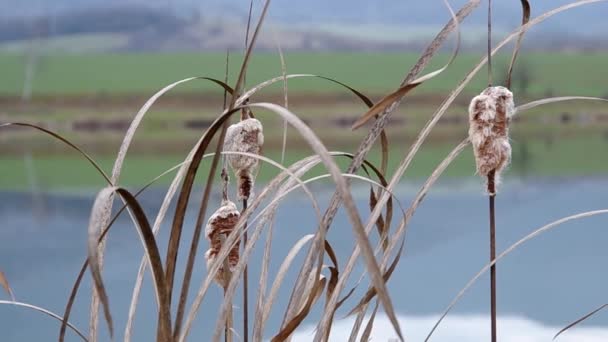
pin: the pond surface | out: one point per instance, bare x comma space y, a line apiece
545, 284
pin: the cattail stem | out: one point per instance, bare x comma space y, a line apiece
227, 277
245, 284
492, 196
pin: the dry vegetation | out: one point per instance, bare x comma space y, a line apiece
236, 234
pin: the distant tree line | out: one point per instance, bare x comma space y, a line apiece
101, 20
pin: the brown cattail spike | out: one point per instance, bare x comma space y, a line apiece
489, 117
221, 222
244, 136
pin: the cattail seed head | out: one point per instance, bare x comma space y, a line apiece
489, 117
244, 136
221, 222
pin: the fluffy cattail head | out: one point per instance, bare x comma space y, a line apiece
244, 136
222, 222
489, 117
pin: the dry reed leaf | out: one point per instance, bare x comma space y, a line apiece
550, 100
181, 306
354, 333
99, 205
351, 209
248, 249
76, 286
525, 17
375, 131
371, 292
580, 320
291, 326
281, 273
232, 286
176, 228
507, 251
426, 130
63, 140
46, 312
152, 253
4, 283
365, 337
396, 96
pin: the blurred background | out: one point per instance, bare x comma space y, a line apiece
83, 68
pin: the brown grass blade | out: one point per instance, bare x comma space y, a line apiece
292, 325
513, 247
63, 140
176, 229
580, 320
101, 202
343, 187
181, 307
232, 238
76, 286
396, 96
426, 130
372, 135
370, 324
4, 283
48, 313
525, 17
241, 78
152, 253
371, 292
282, 272
354, 333
550, 100
285, 97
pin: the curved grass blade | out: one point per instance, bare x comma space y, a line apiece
246, 253
176, 228
65, 141
525, 18
513, 247
580, 320
396, 96
550, 100
76, 286
4, 283
372, 135
282, 272
457, 91
147, 239
48, 313
291, 326
365, 337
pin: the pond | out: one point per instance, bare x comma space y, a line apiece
542, 286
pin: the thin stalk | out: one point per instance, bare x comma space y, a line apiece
489, 43
245, 283
492, 197
227, 277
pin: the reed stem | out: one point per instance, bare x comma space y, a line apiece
245, 284
492, 196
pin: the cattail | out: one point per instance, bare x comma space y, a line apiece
489, 117
221, 222
244, 136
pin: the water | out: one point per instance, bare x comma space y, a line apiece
548, 282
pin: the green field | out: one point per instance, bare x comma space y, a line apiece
374, 73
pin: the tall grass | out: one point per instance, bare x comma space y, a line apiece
321, 272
